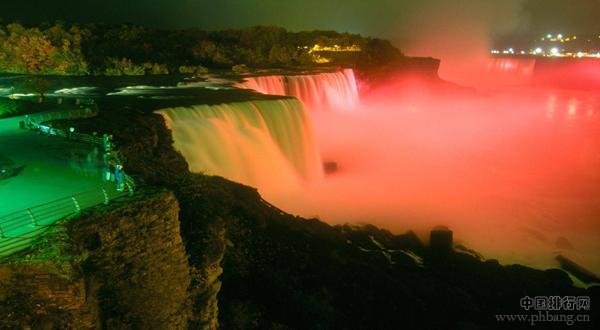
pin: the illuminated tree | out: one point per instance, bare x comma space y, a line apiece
33, 51
209, 52
124, 66
280, 55
38, 85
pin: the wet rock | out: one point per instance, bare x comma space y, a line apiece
330, 167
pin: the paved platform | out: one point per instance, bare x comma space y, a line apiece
53, 167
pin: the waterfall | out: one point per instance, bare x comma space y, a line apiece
321, 91
267, 144
272, 85
511, 69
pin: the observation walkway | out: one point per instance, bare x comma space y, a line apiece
58, 176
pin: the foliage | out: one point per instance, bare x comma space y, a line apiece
155, 68
38, 85
8, 107
193, 69
211, 53
126, 67
240, 68
123, 66
55, 50
379, 51
134, 50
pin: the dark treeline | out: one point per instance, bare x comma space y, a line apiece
66, 49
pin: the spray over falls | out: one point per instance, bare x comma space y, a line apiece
322, 91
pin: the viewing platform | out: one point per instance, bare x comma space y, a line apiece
58, 176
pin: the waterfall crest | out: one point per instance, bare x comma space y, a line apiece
322, 91
511, 69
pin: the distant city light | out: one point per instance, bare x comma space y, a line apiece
558, 45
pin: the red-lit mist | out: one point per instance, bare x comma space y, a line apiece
514, 171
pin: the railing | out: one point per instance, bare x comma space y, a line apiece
36, 122
86, 138
19, 228
38, 118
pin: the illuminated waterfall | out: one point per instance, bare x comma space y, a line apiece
273, 85
511, 68
266, 144
321, 91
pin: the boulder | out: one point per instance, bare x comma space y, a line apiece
440, 239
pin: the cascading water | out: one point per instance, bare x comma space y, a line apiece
511, 70
322, 91
272, 85
267, 144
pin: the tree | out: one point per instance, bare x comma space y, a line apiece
33, 51
209, 52
280, 55
124, 66
39, 85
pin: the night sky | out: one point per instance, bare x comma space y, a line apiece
406, 22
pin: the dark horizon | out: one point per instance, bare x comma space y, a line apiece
405, 23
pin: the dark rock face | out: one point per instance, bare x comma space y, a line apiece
577, 270
288, 272
37, 297
122, 265
136, 266
440, 239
